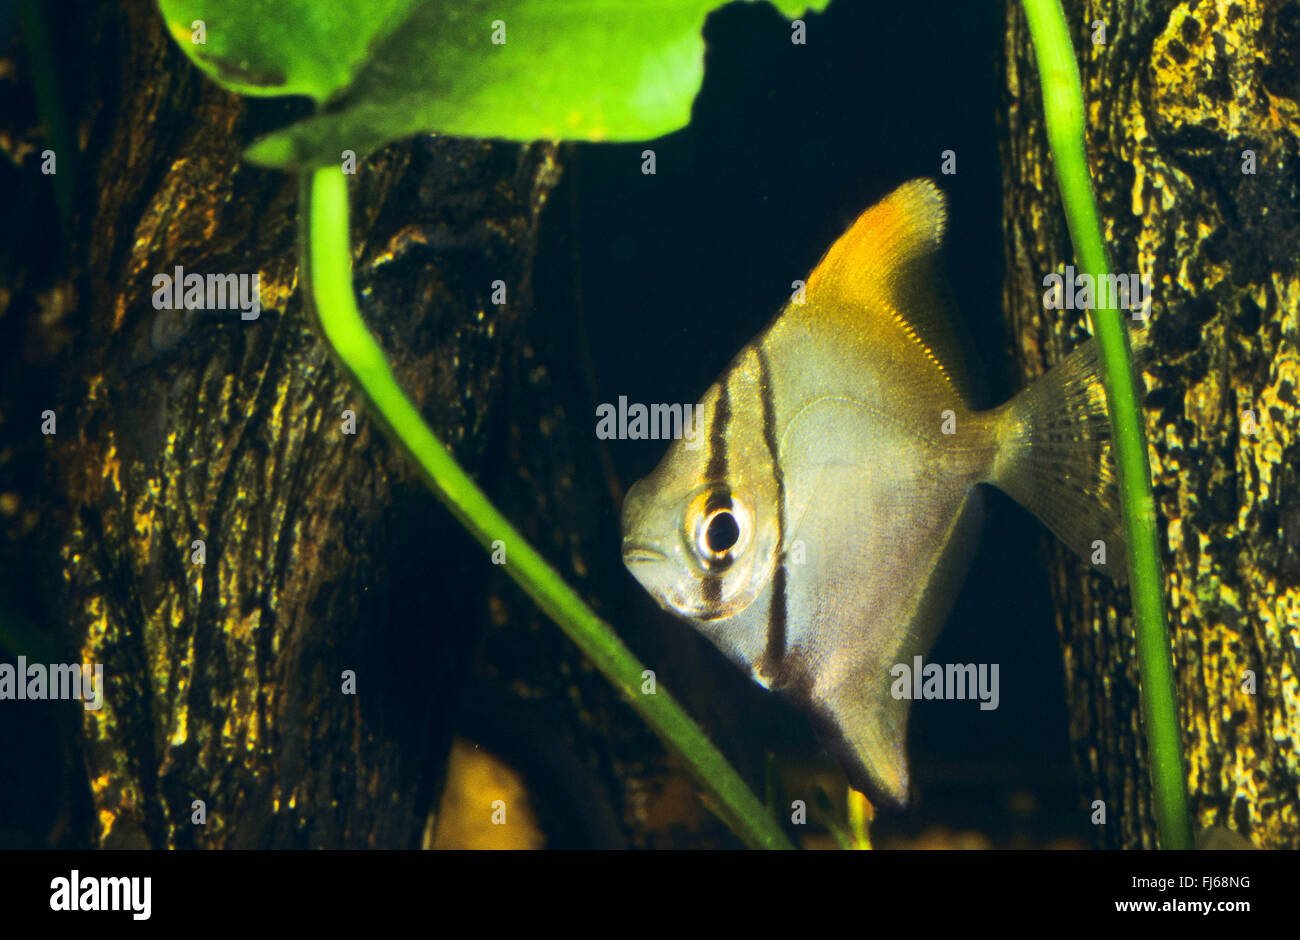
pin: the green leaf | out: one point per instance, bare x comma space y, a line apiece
283, 47
614, 70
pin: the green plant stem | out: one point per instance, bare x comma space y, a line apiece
1063, 106
327, 266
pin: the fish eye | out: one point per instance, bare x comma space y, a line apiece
719, 524
721, 531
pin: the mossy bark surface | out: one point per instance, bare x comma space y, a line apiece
321, 551
1175, 96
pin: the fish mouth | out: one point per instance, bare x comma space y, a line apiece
636, 553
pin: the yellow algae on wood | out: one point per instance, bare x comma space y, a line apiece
1175, 99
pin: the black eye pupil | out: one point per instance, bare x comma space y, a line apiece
722, 532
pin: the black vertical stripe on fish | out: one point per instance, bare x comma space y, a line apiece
716, 470
774, 653
718, 499
777, 613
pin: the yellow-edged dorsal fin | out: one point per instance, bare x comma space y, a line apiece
883, 276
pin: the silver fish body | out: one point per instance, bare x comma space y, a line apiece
818, 536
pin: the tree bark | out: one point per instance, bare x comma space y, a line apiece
227, 679
1174, 96
324, 551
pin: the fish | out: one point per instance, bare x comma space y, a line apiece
819, 535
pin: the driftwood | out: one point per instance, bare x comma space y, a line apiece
1174, 98
322, 551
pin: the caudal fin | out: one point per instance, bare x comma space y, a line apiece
1055, 458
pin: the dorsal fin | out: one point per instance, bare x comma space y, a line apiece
885, 268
